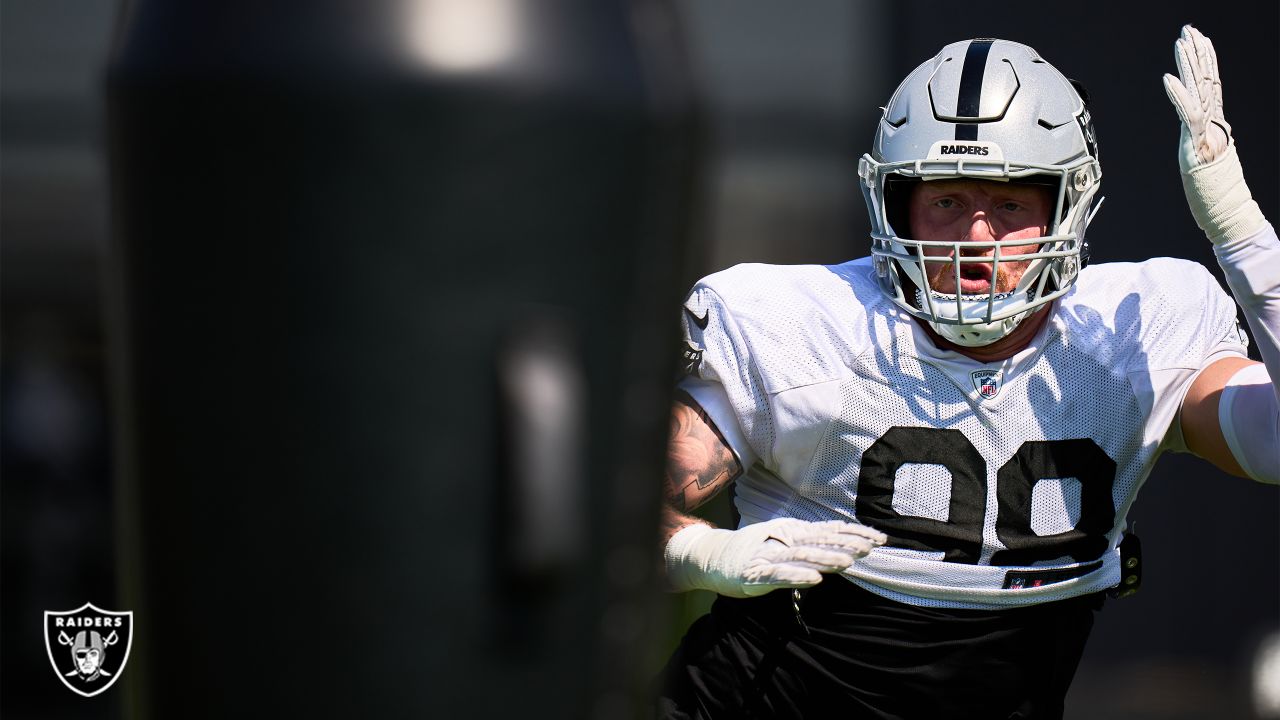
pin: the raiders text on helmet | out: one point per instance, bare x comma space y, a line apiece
987, 110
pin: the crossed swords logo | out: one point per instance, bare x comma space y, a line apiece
98, 642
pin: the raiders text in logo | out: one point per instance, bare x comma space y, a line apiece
965, 150
88, 647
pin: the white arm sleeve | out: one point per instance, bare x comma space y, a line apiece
1249, 409
1252, 268
1250, 418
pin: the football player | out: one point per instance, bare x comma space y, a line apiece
954, 428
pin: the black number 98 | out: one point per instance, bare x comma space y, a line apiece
960, 536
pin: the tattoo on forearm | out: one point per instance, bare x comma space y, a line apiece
699, 461
673, 521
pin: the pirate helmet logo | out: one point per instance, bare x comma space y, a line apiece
88, 647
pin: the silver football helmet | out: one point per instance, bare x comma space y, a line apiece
988, 110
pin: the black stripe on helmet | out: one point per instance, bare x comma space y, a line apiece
970, 99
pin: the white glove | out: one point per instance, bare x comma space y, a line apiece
779, 553
1211, 174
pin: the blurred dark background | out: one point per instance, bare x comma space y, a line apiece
788, 100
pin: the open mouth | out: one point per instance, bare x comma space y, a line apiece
975, 271
975, 278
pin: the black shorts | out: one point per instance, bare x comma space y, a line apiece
859, 655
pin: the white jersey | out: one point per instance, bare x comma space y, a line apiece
999, 484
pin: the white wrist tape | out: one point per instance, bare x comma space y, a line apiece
1220, 199
1249, 414
1252, 268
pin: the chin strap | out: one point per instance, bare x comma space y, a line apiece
972, 334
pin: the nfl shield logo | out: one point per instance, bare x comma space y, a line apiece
88, 646
986, 383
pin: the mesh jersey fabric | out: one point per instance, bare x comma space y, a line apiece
1000, 484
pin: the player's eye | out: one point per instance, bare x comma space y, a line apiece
946, 203
1010, 206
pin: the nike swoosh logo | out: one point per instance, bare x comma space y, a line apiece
701, 322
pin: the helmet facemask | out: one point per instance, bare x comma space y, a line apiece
1014, 152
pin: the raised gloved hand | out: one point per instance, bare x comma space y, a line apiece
753, 560
1211, 173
